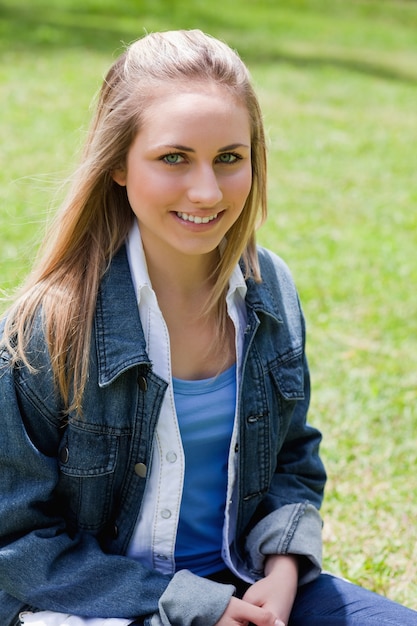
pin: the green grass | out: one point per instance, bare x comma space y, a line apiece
338, 85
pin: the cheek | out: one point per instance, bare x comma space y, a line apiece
244, 184
158, 183
149, 188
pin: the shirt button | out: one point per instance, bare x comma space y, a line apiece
166, 513
142, 382
140, 470
171, 456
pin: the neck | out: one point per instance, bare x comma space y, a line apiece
183, 275
201, 338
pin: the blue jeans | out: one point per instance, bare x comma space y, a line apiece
331, 601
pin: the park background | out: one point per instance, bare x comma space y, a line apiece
337, 81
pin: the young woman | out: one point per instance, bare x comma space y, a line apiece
156, 463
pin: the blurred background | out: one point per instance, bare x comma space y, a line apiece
337, 82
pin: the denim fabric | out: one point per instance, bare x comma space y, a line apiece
331, 601
71, 492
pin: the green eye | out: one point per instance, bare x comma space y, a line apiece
227, 157
173, 159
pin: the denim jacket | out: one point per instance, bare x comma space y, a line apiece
71, 490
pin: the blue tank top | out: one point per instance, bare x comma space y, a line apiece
205, 410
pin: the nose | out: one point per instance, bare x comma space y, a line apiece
204, 187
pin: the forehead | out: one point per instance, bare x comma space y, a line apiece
178, 107
158, 90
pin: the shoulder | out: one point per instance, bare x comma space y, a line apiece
276, 294
31, 334
276, 278
273, 267
27, 384
26, 360
276, 298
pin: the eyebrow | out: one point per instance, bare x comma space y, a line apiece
232, 146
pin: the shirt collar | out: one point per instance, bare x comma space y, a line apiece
137, 262
237, 286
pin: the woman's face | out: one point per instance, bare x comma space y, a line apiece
188, 171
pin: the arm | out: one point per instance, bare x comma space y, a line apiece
44, 565
73, 574
284, 546
277, 590
285, 520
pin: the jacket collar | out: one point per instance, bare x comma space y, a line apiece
119, 335
260, 296
120, 341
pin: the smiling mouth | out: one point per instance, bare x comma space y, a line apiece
196, 219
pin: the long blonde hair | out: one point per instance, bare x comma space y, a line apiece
96, 216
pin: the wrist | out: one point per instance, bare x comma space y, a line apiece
288, 563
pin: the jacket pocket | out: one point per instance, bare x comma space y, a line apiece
87, 462
288, 376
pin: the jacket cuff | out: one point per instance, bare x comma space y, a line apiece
292, 529
192, 600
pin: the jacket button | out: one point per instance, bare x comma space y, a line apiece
140, 470
115, 531
142, 382
64, 455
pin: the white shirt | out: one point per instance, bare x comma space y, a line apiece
153, 540
52, 618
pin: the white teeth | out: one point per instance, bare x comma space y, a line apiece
187, 217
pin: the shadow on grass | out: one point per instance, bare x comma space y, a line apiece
105, 26
351, 65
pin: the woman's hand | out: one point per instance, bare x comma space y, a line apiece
242, 613
276, 592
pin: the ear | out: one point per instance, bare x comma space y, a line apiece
119, 176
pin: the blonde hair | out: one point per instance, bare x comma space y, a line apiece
96, 216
